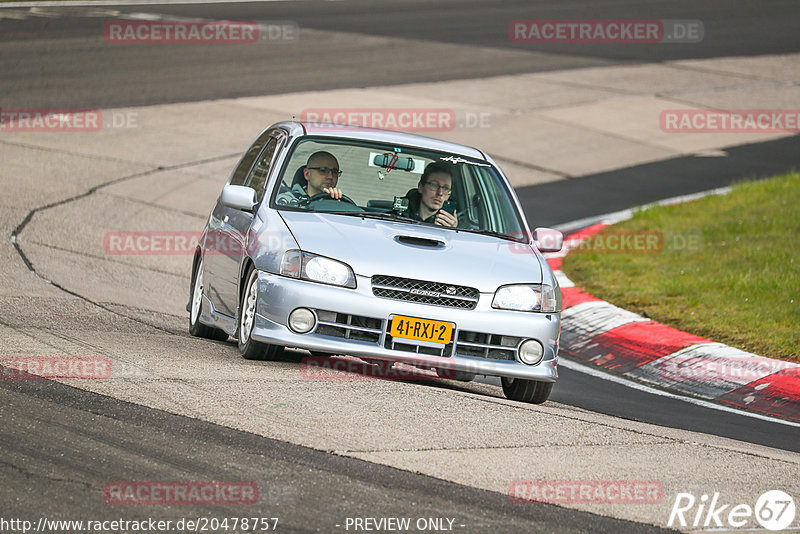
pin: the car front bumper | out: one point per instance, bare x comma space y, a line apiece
355, 322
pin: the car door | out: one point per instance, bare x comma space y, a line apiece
230, 241
213, 264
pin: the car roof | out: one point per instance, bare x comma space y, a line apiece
298, 128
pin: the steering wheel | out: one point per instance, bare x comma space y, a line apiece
324, 196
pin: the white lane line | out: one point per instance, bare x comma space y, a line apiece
592, 371
623, 215
129, 3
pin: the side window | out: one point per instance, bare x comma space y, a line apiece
474, 203
240, 174
500, 213
258, 176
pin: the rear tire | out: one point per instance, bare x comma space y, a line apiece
522, 390
196, 328
248, 347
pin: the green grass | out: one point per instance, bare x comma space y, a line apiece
738, 284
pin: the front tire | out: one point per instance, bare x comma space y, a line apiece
522, 390
248, 347
196, 328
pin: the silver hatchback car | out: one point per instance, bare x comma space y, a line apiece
385, 246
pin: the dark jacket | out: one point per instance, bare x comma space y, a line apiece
414, 199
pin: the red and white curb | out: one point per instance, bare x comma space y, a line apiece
633, 346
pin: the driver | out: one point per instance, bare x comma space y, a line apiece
321, 176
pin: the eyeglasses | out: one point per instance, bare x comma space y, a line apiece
326, 170
446, 189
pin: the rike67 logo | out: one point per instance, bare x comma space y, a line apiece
774, 510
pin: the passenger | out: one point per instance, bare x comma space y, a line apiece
320, 175
433, 190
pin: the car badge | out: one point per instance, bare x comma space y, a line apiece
424, 292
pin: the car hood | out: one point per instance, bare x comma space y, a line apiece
417, 251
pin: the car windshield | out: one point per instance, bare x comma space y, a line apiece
383, 181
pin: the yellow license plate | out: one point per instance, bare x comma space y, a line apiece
421, 329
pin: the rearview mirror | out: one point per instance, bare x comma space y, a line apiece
394, 161
238, 197
548, 240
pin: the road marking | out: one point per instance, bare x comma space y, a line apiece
591, 319
55, 13
18, 15
592, 371
623, 215
709, 370
127, 3
619, 216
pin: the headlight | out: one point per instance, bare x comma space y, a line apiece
299, 264
327, 271
520, 298
526, 297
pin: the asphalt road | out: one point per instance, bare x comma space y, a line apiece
558, 203
57, 57
612, 398
307, 490
62, 61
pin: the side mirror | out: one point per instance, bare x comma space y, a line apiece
548, 240
238, 197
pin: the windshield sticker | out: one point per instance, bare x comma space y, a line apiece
393, 158
454, 160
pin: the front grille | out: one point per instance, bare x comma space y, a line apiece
353, 327
424, 292
489, 346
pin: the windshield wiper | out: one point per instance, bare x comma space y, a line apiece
375, 215
490, 233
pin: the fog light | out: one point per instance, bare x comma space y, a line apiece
302, 320
531, 352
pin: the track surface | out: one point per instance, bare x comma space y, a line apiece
59, 58
619, 400
53, 61
297, 483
